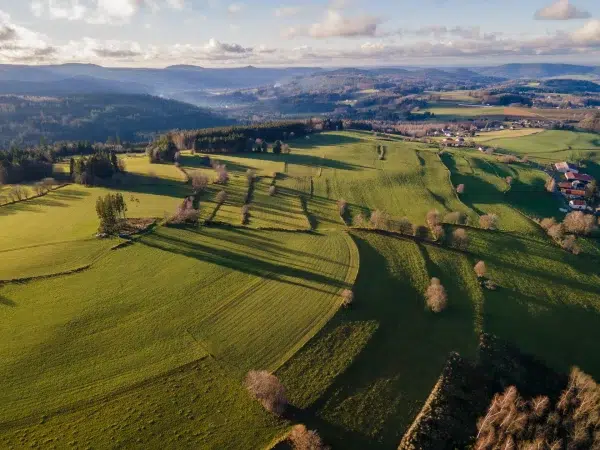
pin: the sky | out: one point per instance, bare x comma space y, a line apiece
325, 33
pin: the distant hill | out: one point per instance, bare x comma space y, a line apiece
537, 71
136, 80
24, 120
80, 84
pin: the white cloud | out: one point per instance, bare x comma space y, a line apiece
288, 11
236, 8
100, 12
561, 10
588, 34
337, 25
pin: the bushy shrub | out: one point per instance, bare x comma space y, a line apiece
267, 389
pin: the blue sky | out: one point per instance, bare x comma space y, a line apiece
157, 33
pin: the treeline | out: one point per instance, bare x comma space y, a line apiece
18, 165
244, 138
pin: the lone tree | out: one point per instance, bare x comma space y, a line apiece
267, 389
277, 146
437, 299
438, 233
304, 439
110, 209
480, 269
347, 298
221, 197
222, 176
460, 189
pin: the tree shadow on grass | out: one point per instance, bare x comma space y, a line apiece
4, 301
375, 396
563, 335
240, 262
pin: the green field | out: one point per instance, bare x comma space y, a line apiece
147, 345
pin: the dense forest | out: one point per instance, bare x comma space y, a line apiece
26, 120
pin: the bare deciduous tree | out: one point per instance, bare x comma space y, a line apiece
359, 221
433, 218
437, 299
347, 298
250, 176
267, 389
438, 232
551, 185
548, 223
460, 239
480, 269
221, 197
460, 189
579, 223
509, 180
570, 244
199, 182
489, 222
342, 206
222, 176
272, 190
245, 214
557, 231
304, 439
380, 220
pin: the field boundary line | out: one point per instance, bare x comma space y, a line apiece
452, 188
36, 196
70, 271
96, 400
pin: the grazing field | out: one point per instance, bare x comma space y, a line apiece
459, 112
548, 142
146, 346
248, 298
357, 394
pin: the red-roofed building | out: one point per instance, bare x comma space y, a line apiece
571, 176
565, 185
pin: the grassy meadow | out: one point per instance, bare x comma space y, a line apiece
147, 345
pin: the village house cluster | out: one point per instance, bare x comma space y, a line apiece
574, 187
